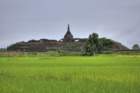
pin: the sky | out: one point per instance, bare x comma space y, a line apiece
23, 20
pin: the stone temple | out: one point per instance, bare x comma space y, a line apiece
68, 43
68, 37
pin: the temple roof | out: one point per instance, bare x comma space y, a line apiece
68, 33
68, 37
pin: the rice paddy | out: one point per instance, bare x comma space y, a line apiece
70, 74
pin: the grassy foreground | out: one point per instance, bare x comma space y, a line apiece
70, 74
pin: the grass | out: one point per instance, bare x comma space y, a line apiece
70, 74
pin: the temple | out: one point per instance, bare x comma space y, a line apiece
68, 43
68, 37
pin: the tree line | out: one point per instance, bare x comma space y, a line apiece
95, 45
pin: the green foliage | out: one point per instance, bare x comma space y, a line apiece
69, 53
13, 47
136, 47
92, 44
70, 74
97, 45
3, 49
105, 44
39, 54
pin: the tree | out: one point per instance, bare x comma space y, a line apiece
105, 44
136, 47
92, 46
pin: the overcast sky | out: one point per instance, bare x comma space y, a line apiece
22, 20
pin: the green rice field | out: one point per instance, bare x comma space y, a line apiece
70, 74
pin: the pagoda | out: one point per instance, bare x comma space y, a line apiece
68, 37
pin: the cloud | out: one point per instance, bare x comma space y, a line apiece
27, 19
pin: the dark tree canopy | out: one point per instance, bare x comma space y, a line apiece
136, 47
92, 45
105, 44
97, 45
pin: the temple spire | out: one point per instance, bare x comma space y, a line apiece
68, 36
68, 30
